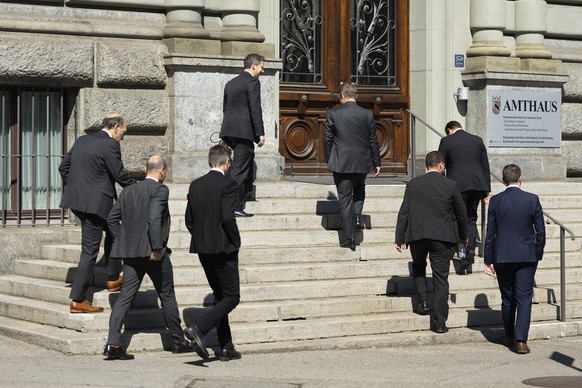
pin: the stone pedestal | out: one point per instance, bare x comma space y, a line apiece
485, 75
195, 90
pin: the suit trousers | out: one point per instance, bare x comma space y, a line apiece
440, 254
162, 275
516, 282
92, 227
222, 273
241, 170
471, 199
351, 190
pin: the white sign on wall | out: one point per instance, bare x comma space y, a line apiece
524, 118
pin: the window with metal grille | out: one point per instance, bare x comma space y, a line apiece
32, 140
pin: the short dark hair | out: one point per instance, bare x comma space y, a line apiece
433, 158
253, 59
511, 174
156, 162
110, 121
348, 89
452, 125
218, 155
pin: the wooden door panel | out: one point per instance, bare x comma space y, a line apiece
321, 39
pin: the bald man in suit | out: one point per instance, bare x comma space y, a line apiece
140, 224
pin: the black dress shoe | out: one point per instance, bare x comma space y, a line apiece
349, 243
242, 213
195, 335
184, 347
423, 308
116, 353
360, 223
441, 329
229, 353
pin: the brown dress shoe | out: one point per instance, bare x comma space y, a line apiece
521, 347
114, 285
84, 307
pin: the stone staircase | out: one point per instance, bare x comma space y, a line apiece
299, 289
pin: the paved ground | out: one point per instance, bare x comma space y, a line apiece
482, 364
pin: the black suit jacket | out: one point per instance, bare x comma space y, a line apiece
210, 214
351, 140
516, 232
466, 161
432, 209
90, 170
243, 115
140, 220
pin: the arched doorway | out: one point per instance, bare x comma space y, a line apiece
325, 42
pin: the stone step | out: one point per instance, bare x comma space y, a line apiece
69, 253
273, 332
286, 206
309, 190
73, 342
188, 271
379, 312
309, 221
322, 237
192, 293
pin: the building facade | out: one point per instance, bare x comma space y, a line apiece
65, 64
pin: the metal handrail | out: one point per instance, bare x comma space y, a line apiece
563, 229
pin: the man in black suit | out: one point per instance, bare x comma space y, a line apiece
90, 170
351, 152
432, 219
140, 225
215, 237
242, 124
468, 165
515, 241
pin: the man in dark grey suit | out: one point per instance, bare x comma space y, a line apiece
351, 152
468, 165
432, 218
140, 225
215, 237
516, 237
90, 170
242, 124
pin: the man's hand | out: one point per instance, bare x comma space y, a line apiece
261, 141
400, 247
157, 255
376, 171
489, 269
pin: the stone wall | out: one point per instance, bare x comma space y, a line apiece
112, 59
570, 52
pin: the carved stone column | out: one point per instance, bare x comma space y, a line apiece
530, 26
239, 21
184, 19
487, 24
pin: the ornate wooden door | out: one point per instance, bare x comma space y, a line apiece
326, 42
